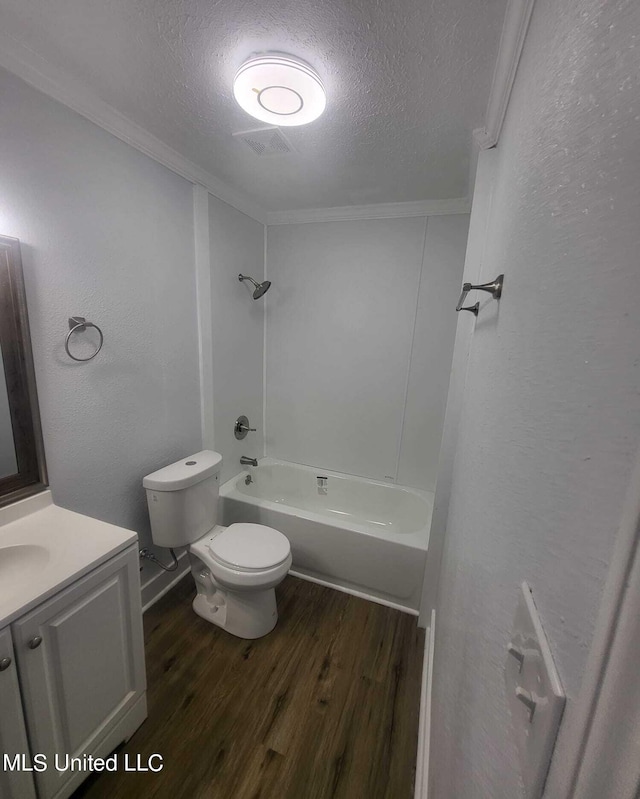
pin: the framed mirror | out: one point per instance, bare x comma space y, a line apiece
22, 464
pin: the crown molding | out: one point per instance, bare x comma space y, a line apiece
376, 211
59, 85
73, 93
514, 31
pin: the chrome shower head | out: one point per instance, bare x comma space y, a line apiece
260, 288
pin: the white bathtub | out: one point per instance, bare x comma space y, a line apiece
359, 535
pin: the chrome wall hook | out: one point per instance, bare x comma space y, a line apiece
494, 288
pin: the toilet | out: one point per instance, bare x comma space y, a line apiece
235, 568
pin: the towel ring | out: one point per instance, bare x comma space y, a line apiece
77, 324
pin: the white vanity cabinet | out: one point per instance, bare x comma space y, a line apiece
13, 735
79, 685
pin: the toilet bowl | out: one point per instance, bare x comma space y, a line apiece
235, 568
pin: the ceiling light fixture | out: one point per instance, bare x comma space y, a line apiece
279, 89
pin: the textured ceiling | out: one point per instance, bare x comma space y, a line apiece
407, 81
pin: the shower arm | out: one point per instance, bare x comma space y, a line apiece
242, 277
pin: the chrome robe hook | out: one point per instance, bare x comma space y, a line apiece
494, 288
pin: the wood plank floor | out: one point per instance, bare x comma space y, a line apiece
325, 706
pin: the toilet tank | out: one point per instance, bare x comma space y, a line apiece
183, 499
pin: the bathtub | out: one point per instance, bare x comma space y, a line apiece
361, 536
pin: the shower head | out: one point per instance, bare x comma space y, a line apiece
261, 288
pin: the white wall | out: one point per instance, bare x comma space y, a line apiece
236, 244
106, 233
341, 320
455, 397
551, 414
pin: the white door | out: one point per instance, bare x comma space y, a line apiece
81, 663
14, 784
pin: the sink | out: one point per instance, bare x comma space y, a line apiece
20, 564
45, 548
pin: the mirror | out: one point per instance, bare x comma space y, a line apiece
8, 461
22, 466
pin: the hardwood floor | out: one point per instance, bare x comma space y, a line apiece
325, 706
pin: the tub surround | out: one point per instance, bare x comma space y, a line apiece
236, 329
57, 547
359, 339
361, 536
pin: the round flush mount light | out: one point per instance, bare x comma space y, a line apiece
279, 89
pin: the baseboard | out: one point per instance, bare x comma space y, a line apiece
354, 592
424, 729
162, 582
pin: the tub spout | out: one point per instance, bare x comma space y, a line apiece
248, 461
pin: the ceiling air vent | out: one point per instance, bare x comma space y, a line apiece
265, 141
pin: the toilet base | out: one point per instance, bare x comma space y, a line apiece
249, 614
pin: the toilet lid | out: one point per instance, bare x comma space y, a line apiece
250, 546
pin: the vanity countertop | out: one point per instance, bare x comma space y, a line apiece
44, 548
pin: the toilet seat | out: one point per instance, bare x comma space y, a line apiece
249, 547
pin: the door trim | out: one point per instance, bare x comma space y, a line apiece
611, 683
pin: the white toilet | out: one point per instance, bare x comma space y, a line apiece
235, 568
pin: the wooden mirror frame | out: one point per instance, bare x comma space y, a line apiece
15, 342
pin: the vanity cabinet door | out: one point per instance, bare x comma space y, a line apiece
13, 736
81, 662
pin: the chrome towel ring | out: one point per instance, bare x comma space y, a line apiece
76, 325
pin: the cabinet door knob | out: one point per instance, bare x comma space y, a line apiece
34, 643
5, 663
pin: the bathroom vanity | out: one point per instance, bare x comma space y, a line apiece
72, 676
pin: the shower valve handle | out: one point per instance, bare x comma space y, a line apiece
242, 427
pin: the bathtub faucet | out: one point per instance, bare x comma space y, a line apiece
248, 461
